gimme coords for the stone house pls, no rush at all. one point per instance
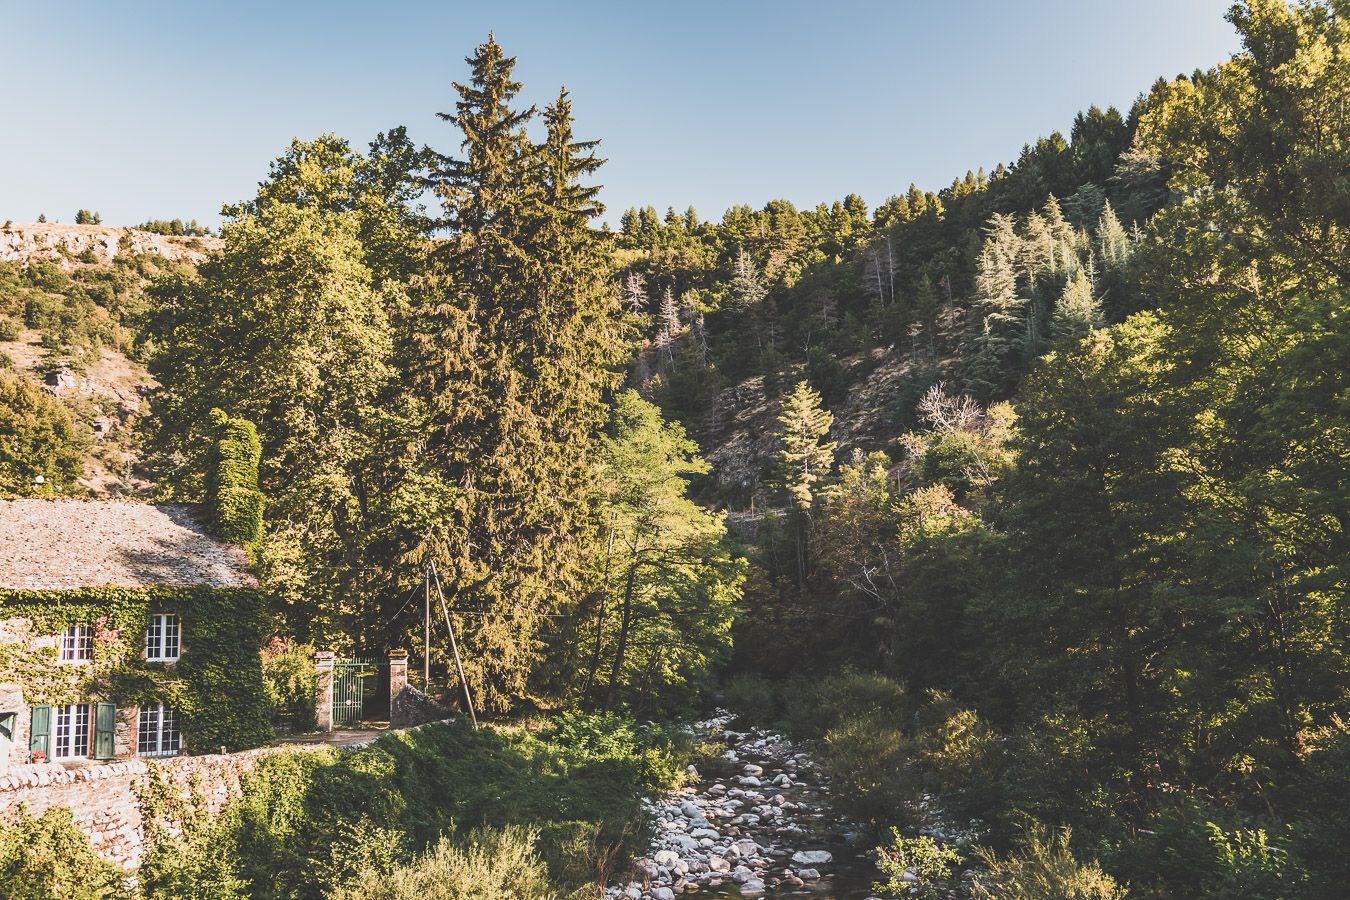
(126, 631)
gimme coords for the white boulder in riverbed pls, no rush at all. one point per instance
(812, 857)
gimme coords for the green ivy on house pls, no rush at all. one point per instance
(232, 494)
(216, 684)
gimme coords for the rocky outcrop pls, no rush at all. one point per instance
(96, 244)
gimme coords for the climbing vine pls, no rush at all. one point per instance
(232, 492)
(216, 684)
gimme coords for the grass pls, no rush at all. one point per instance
(311, 823)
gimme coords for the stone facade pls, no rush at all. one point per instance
(17, 635)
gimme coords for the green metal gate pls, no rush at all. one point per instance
(353, 683)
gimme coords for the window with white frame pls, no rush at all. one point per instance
(71, 740)
(77, 644)
(162, 638)
(158, 734)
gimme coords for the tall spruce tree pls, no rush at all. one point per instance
(517, 339)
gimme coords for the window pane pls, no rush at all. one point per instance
(81, 747)
(61, 747)
(171, 739)
(152, 639)
(72, 731)
(171, 637)
(77, 643)
(147, 734)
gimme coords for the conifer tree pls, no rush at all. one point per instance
(518, 340)
(1061, 232)
(669, 325)
(1002, 310)
(1077, 311)
(747, 285)
(804, 456)
(635, 293)
(1113, 242)
(804, 459)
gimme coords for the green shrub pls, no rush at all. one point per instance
(933, 864)
(752, 697)
(1246, 865)
(812, 706)
(10, 329)
(490, 864)
(961, 756)
(50, 857)
(873, 773)
(289, 679)
(1043, 869)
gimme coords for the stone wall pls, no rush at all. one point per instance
(102, 798)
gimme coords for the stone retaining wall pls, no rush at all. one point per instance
(103, 797)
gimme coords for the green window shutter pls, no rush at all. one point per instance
(40, 734)
(105, 727)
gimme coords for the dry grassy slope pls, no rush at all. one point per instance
(106, 398)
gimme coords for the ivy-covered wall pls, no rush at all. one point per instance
(216, 684)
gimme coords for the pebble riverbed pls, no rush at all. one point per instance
(754, 823)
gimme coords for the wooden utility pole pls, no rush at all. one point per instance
(426, 629)
(454, 645)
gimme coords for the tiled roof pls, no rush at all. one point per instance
(66, 544)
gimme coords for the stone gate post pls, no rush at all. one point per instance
(398, 689)
(323, 690)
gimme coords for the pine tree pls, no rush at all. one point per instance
(669, 326)
(1001, 308)
(926, 308)
(489, 194)
(1077, 312)
(804, 457)
(747, 285)
(1061, 232)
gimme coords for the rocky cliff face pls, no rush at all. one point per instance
(67, 244)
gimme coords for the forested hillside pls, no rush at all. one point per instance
(1022, 500)
(1059, 452)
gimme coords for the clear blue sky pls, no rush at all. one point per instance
(161, 109)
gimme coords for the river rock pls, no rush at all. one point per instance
(812, 857)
